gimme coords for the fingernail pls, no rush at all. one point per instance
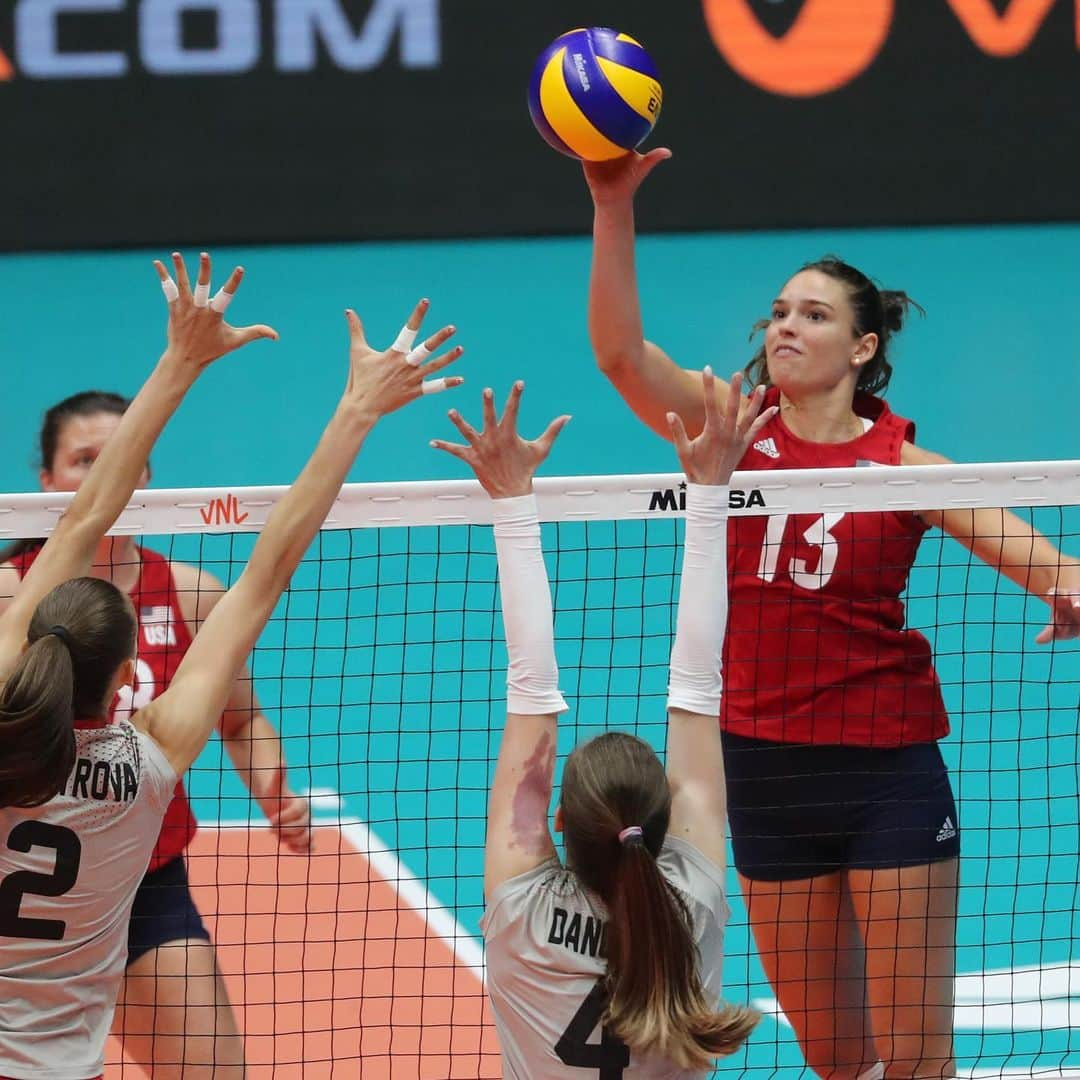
(433, 444)
(708, 370)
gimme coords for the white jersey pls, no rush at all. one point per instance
(68, 875)
(544, 933)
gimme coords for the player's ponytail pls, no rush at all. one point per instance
(876, 311)
(37, 741)
(79, 635)
(656, 1003)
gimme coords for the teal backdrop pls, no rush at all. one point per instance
(992, 372)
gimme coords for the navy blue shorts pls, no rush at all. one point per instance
(163, 910)
(800, 811)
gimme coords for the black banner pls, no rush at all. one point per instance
(162, 122)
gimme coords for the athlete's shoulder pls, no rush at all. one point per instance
(517, 897)
(694, 874)
(910, 454)
(185, 575)
(10, 578)
(197, 592)
(20, 556)
(878, 411)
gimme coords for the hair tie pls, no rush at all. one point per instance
(62, 633)
(631, 832)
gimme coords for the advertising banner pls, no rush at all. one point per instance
(167, 122)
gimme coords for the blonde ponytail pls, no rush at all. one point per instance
(616, 807)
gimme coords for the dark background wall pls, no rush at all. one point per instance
(131, 122)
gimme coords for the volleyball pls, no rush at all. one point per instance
(594, 94)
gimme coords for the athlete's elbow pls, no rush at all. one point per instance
(83, 526)
(616, 363)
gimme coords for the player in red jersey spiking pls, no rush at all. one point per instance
(842, 817)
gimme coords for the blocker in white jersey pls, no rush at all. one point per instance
(68, 874)
(544, 936)
(611, 966)
(82, 807)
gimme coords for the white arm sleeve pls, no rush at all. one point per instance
(532, 676)
(696, 683)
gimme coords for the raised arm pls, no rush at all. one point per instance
(378, 383)
(650, 382)
(518, 835)
(197, 335)
(695, 760)
(1014, 548)
(249, 738)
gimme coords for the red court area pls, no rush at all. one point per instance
(331, 971)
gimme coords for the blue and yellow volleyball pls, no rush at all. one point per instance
(594, 94)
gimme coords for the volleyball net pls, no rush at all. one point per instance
(384, 669)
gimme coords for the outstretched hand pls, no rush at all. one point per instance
(711, 458)
(288, 814)
(197, 332)
(503, 461)
(380, 382)
(619, 179)
(1064, 601)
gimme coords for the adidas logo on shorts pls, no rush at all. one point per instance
(767, 447)
(947, 831)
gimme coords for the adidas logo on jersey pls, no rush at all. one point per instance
(947, 831)
(767, 447)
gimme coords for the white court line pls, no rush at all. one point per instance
(1028, 998)
(1022, 999)
(400, 878)
(415, 893)
(1013, 1074)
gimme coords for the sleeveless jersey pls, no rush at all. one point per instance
(544, 939)
(816, 649)
(68, 874)
(163, 640)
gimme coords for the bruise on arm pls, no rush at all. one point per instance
(532, 796)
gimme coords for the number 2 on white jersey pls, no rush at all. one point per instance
(819, 535)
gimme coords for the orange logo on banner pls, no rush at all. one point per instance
(6, 70)
(223, 512)
(830, 42)
(1007, 34)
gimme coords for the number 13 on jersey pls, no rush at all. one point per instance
(818, 535)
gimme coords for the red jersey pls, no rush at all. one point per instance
(816, 649)
(163, 640)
